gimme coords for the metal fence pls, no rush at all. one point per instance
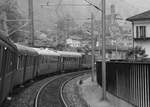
(127, 80)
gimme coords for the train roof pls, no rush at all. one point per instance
(69, 54)
(5, 41)
(26, 50)
(46, 52)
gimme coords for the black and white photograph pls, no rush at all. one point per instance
(74, 53)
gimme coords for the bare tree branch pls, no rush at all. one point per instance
(18, 29)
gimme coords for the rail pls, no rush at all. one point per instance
(66, 104)
(55, 89)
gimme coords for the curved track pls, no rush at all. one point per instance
(49, 94)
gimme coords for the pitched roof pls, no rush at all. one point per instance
(141, 16)
(75, 37)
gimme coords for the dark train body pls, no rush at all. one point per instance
(19, 64)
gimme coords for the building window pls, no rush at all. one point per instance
(140, 31)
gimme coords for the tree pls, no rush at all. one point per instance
(137, 52)
(10, 7)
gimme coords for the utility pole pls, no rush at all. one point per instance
(57, 35)
(103, 49)
(67, 30)
(31, 21)
(103, 10)
(133, 46)
(93, 47)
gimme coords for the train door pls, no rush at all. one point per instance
(59, 64)
(35, 62)
(1, 73)
(5, 74)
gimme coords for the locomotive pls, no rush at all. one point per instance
(19, 64)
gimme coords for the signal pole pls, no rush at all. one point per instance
(93, 47)
(103, 50)
(31, 21)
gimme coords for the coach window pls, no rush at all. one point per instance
(8, 56)
(48, 59)
(68, 60)
(10, 61)
(3, 59)
(18, 62)
(45, 59)
(30, 61)
(42, 59)
(27, 60)
(26, 57)
(22, 61)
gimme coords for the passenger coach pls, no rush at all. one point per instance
(8, 56)
(27, 60)
(70, 60)
(48, 61)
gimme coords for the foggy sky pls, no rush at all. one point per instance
(141, 4)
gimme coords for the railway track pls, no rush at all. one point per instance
(49, 95)
(29, 95)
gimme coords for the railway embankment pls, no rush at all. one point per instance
(92, 94)
(85, 93)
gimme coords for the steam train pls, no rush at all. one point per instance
(19, 64)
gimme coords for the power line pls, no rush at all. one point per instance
(93, 5)
(42, 5)
(15, 20)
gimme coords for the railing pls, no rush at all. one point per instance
(128, 81)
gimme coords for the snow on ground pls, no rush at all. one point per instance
(92, 94)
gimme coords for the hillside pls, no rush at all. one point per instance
(46, 17)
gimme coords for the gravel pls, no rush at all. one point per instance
(72, 93)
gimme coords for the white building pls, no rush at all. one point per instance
(141, 30)
(73, 42)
